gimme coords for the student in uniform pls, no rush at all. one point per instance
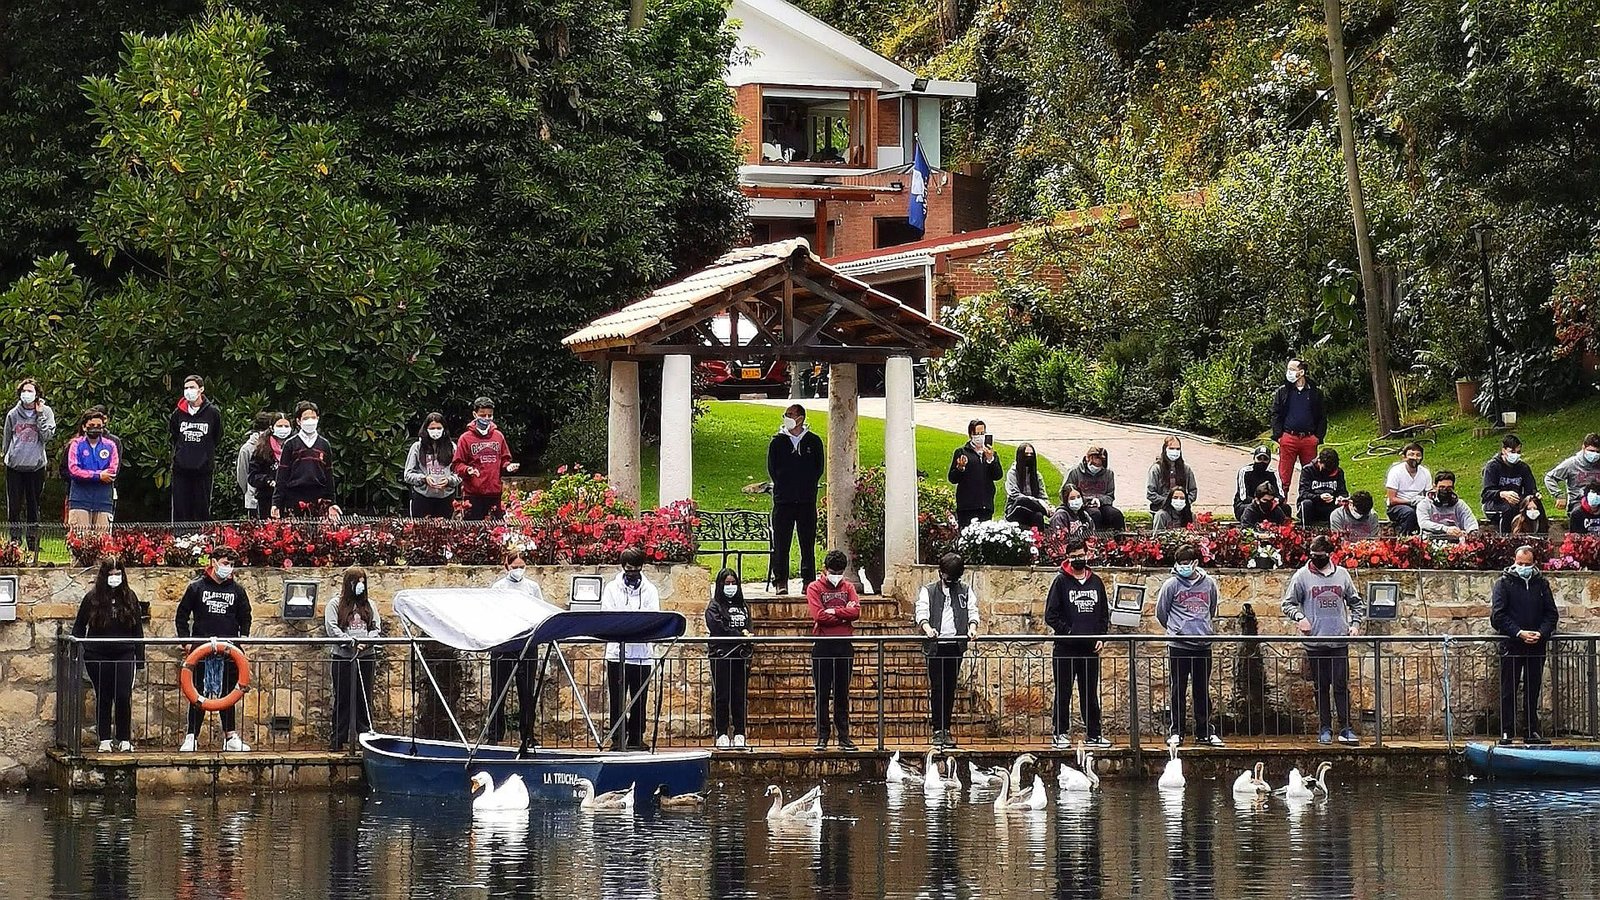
(215, 606)
(1077, 605)
(947, 615)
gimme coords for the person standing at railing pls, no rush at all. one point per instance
(352, 618)
(1321, 600)
(947, 615)
(92, 463)
(1076, 605)
(509, 664)
(1522, 607)
(30, 426)
(1186, 606)
(794, 465)
(111, 610)
(306, 487)
(834, 610)
(728, 616)
(628, 665)
(215, 606)
(194, 429)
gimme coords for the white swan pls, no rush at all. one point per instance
(933, 780)
(1297, 788)
(512, 794)
(899, 773)
(806, 808)
(952, 774)
(1072, 781)
(1172, 776)
(1251, 783)
(1033, 798)
(985, 776)
(611, 800)
(1321, 780)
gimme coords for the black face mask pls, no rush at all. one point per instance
(1077, 564)
(1320, 560)
(953, 577)
(632, 579)
(1445, 498)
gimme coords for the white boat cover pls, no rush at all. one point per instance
(487, 619)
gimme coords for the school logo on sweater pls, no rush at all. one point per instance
(218, 603)
(1195, 601)
(1327, 596)
(194, 432)
(1083, 601)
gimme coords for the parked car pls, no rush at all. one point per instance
(730, 378)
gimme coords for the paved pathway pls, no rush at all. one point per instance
(1062, 439)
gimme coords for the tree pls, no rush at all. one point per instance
(245, 256)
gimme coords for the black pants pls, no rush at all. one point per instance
(787, 518)
(230, 677)
(1500, 518)
(1027, 517)
(502, 667)
(964, 517)
(113, 696)
(482, 507)
(623, 679)
(1107, 518)
(730, 683)
(191, 495)
(350, 695)
(1190, 667)
(1082, 670)
(1528, 669)
(432, 507)
(944, 671)
(831, 664)
(1330, 673)
(1404, 518)
(22, 504)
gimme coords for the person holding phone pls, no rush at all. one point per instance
(974, 470)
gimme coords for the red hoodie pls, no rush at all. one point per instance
(834, 610)
(489, 454)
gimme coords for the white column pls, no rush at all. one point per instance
(677, 436)
(844, 451)
(900, 465)
(622, 431)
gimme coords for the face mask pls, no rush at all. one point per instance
(1174, 454)
(1184, 570)
(309, 426)
(833, 579)
(1075, 504)
(1413, 463)
(976, 442)
(113, 581)
(516, 574)
(1513, 458)
(483, 424)
(94, 432)
(954, 577)
(1594, 500)
(1291, 376)
(28, 396)
(224, 572)
(1093, 469)
(632, 579)
(788, 423)
(730, 591)
(1532, 514)
(1077, 564)
(1591, 456)
(435, 433)
(191, 394)
(1445, 498)
(1320, 560)
(1523, 571)
(360, 588)
(1268, 504)
(1178, 503)
(1261, 463)
(280, 431)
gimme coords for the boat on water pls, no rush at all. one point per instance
(484, 619)
(1534, 762)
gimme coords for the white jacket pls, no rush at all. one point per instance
(617, 597)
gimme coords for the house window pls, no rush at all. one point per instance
(892, 231)
(816, 127)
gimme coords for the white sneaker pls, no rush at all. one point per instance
(739, 742)
(722, 742)
(125, 747)
(189, 744)
(105, 746)
(234, 745)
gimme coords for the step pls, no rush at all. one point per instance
(790, 627)
(797, 608)
(764, 683)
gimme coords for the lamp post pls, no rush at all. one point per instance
(1484, 233)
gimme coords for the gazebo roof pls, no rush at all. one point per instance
(801, 308)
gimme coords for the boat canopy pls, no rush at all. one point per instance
(487, 619)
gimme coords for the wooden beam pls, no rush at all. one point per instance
(756, 320)
(719, 306)
(821, 354)
(821, 322)
(820, 220)
(788, 311)
(825, 290)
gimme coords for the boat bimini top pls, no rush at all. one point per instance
(479, 619)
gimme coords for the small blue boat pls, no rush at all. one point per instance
(1534, 762)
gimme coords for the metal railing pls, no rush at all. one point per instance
(1402, 688)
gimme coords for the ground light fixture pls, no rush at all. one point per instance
(1383, 599)
(1127, 605)
(585, 595)
(299, 598)
(8, 598)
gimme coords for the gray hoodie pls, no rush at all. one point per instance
(26, 434)
(1328, 599)
(1567, 479)
(416, 474)
(359, 630)
(1186, 607)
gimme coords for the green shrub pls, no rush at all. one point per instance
(1065, 381)
(1105, 388)
(989, 325)
(1016, 379)
(579, 440)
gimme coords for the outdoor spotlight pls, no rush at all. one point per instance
(919, 84)
(585, 595)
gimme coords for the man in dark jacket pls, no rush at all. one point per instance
(1507, 482)
(215, 606)
(1098, 484)
(1251, 478)
(1077, 604)
(194, 429)
(1321, 488)
(1299, 423)
(794, 464)
(1522, 608)
(974, 469)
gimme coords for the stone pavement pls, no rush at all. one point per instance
(1062, 439)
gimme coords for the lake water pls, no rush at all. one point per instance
(1411, 840)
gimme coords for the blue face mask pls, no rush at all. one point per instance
(1184, 570)
(1523, 572)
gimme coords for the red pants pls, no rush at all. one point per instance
(1293, 452)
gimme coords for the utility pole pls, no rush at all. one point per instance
(1387, 408)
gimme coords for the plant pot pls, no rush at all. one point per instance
(1466, 390)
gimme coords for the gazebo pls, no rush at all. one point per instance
(798, 309)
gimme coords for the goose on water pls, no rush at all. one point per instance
(1251, 783)
(1032, 798)
(806, 808)
(665, 800)
(901, 773)
(1172, 776)
(512, 794)
(933, 777)
(609, 801)
(1073, 781)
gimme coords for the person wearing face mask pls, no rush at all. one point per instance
(1531, 518)
(1169, 472)
(352, 618)
(728, 616)
(482, 454)
(433, 483)
(1566, 481)
(1321, 601)
(974, 469)
(214, 606)
(111, 610)
(1175, 513)
(1523, 610)
(1354, 519)
(1027, 501)
(513, 663)
(834, 610)
(1442, 514)
(1094, 478)
(194, 428)
(628, 665)
(794, 464)
(1251, 477)
(1404, 487)
(1265, 509)
(260, 429)
(1073, 514)
(1507, 482)
(1322, 486)
(305, 482)
(265, 455)
(30, 426)
(947, 615)
(1077, 604)
(92, 464)
(1584, 515)
(1186, 606)
(1299, 422)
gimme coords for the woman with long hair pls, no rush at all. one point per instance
(263, 466)
(1530, 518)
(354, 618)
(1027, 501)
(728, 615)
(1175, 513)
(111, 610)
(1169, 471)
(433, 484)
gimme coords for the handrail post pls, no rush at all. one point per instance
(1133, 700)
(1556, 719)
(1377, 692)
(1594, 693)
(880, 641)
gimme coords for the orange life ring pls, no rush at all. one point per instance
(186, 676)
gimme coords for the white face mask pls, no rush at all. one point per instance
(977, 442)
(789, 424)
(1178, 503)
(308, 426)
(1174, 454)
(113, 580)
(28, 396)
(435, 433)
(191, 394)
(730, 591)
(1291, 376)
(833, 580)
(1532, 513)
(1513, 458)
(517, 574)
(281, 431)
(1591, 456)
(360, 588)
(1093, 469)
(224, 572)
(1075, 504)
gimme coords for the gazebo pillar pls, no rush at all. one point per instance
(844, 451)
(677, 434)
(900, 465)
(622, 431)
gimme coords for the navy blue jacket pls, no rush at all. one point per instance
(1517, 604)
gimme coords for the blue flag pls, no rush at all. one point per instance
(917, 210)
